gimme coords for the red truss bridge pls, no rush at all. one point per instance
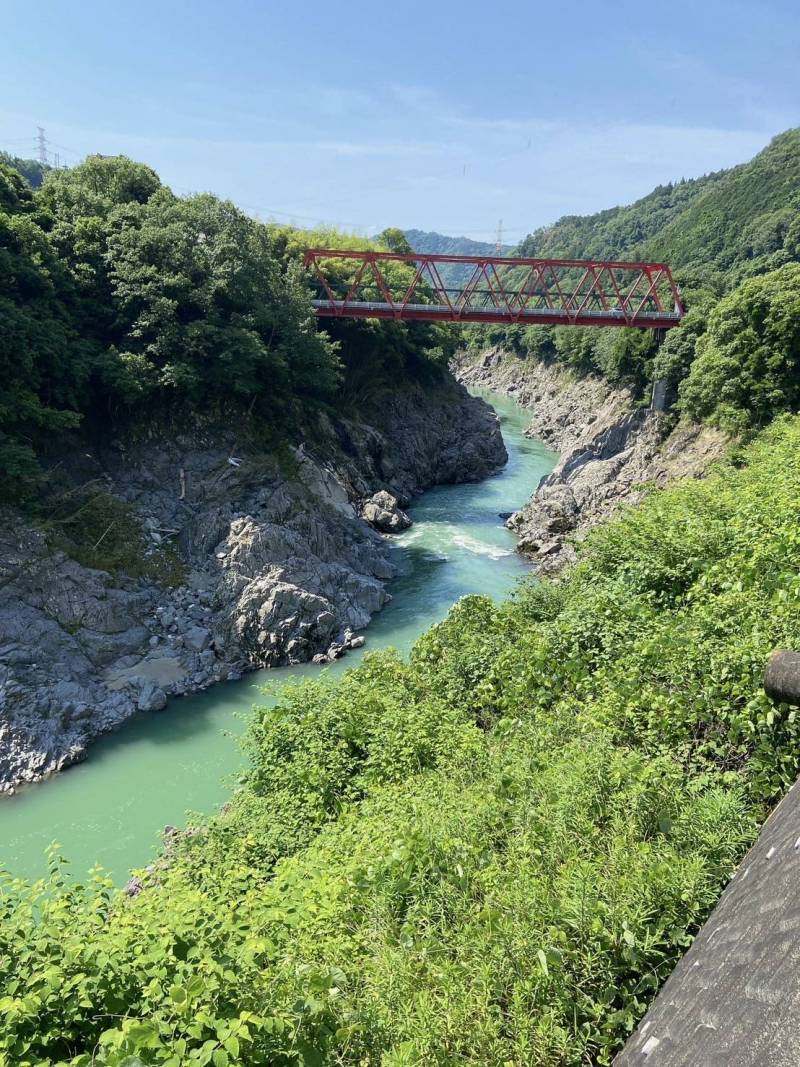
(565, 292)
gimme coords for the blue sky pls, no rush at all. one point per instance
(444, 116)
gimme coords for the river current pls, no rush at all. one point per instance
(111, 809)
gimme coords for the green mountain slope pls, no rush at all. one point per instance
(441, 244)
(452, 274)
(738, 221)
(31, 169)
(617, 232)
(748, 217)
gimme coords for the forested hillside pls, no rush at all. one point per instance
(441, 244)
(733, 241)
(31, 169)
(120, 300)
(740, 221)
(451, 273)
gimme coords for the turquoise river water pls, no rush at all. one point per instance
(112, 808)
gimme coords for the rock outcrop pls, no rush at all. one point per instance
(280, 566)
(611, 450)
(384, 513)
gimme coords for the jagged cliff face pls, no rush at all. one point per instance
(281, 566)
(611, 450)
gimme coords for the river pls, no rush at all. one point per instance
(112, 808)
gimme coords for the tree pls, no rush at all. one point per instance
(202, 307)
(676, 355)
(15, 194)
(395, 240)
(30, 169)
(44, 361)
(748, 362)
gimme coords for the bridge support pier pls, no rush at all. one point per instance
(663, 396)
(664, 393)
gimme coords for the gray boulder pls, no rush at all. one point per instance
(197, 638)
(151, 697)
(384, 513)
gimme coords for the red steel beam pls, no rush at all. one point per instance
(629, 294)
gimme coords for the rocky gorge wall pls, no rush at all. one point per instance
(282, 562)
(610, 447)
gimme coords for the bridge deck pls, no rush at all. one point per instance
(529, 316)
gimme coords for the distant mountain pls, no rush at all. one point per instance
(453, 274)
(441, 244)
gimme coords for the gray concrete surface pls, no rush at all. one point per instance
(734, 999)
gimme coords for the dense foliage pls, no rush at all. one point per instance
(748, 362)
(118, 297)
(492, 853)
(716, 233)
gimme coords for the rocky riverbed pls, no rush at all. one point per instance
(611, 448)
(284, 558)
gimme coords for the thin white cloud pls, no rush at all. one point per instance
(437, 108)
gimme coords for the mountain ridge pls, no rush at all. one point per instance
(739, 221)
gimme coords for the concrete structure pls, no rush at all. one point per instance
(734, 999)
(782, 677)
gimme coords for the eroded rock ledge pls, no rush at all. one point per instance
(611, 448)
(281, 567)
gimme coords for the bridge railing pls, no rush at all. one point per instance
(370, 284)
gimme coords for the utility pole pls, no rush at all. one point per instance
(498, 248)
(42, 141)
